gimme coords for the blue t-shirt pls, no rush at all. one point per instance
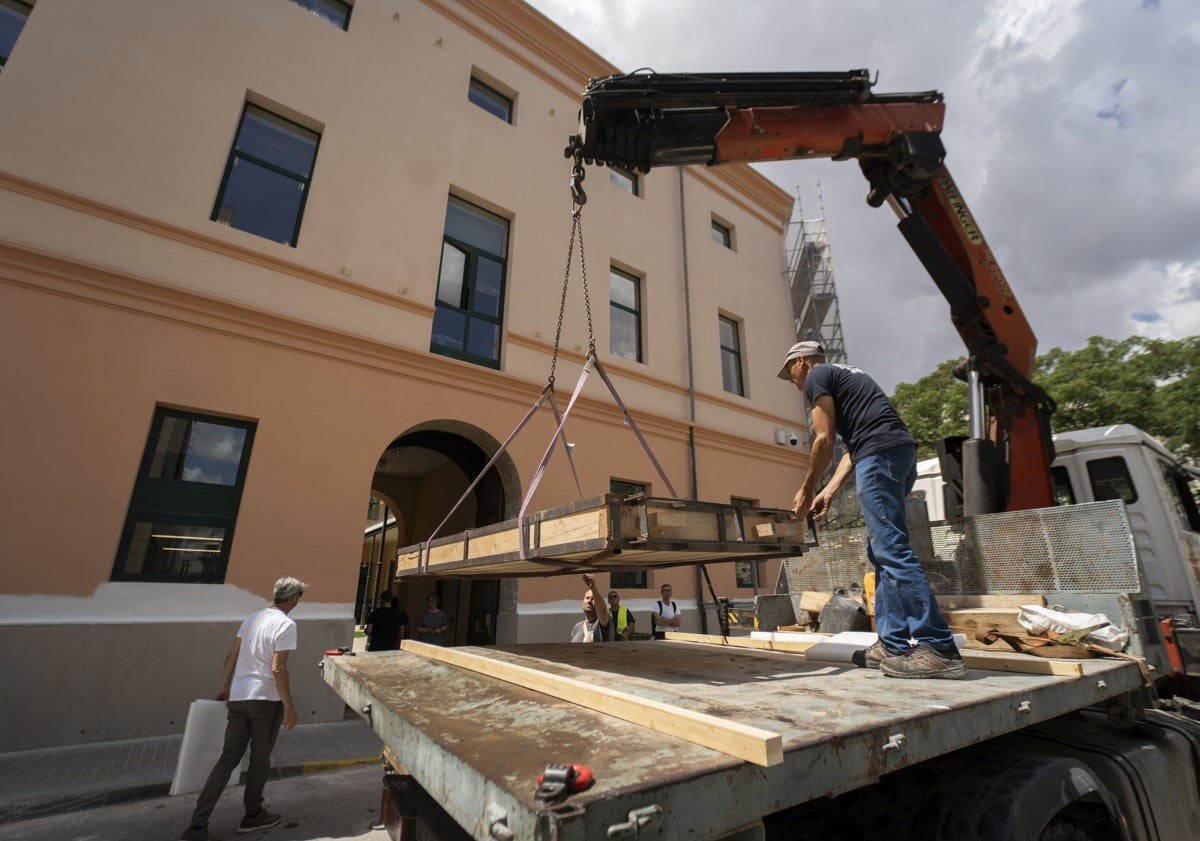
(866, 420)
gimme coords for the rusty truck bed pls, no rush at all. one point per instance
(477, 743)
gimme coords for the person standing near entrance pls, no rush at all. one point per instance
(387, 625)
(257, 690)
(432, 623)
(883, 457)
(621, 619)
(666, 616)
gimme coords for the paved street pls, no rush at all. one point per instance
(327, 806)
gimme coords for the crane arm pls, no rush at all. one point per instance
(643, 120)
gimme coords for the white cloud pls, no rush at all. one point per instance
(1070, 129)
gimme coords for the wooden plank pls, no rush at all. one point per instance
(812, 601)
(991, 661)
(993, 601)
(683, 525)
(793, 529)
(762, 747)
(788, 646)
(969, 621)
(1023, 663)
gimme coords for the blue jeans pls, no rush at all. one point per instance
(904, 604)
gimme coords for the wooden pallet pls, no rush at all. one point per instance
(610, 532)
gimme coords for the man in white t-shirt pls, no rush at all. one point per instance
(665, 616)
(596, 624)
(257, 690)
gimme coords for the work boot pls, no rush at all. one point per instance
(923, 661)
(263, 820)
(201, 833)
(870, 658)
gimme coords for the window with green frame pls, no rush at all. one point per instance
(185, 500)
(13, 14)
(626, 579)
(731, 356)
(624, 315)
(267, 176)
(470, 299)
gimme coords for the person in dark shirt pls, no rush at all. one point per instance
(914, 640)
(386, 625)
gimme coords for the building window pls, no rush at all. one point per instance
(731, 357)
(185, 500)
(625, 314)
(334, 11)
(626, 179)
(722, 234)
(267, 176)
(470, 296)
(490, 100)
(626, 579)
(13, 14)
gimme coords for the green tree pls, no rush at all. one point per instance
(934, 407)
(1153, 384)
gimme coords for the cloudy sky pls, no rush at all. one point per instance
(1072, 129)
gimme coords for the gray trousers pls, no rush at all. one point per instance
(253, 723)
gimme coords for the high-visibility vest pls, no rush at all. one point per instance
(622, 619)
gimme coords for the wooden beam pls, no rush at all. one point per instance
(752, 744)
(789, 646)
(991, 661)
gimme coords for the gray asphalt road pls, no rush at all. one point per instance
(326, 806)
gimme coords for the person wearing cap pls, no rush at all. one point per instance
(914, 639)
(257, 690)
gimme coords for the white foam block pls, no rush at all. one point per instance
(203, 740)
(839, 647)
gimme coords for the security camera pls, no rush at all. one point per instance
(793, 439)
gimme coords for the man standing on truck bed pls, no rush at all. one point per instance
(883, 455)
(256, 688)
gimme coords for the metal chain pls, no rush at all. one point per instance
(578, 199)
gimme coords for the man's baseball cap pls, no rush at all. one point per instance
(797, 350)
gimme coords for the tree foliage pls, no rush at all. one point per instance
(1153, 384)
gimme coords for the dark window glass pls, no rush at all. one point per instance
(267, 176)
(626, 579)
(13, 15)
(185, 500)
(623, 178)
(1177, 480)
(334, 11)
(721, 234)
(470, 296)
(1111, 480)
(490, 100)
(731, 357)
(1064, 494)
(625, 315)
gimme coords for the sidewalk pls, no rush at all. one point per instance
(56, 780)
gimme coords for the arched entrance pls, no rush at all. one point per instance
(419, 478)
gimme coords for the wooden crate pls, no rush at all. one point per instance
(610, 532)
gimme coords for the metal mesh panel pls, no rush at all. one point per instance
(1083, 548)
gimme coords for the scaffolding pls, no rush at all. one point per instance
(809, 275)
(810, 279)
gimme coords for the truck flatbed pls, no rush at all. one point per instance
(477, 743)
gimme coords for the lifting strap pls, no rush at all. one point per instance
(578, 198)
